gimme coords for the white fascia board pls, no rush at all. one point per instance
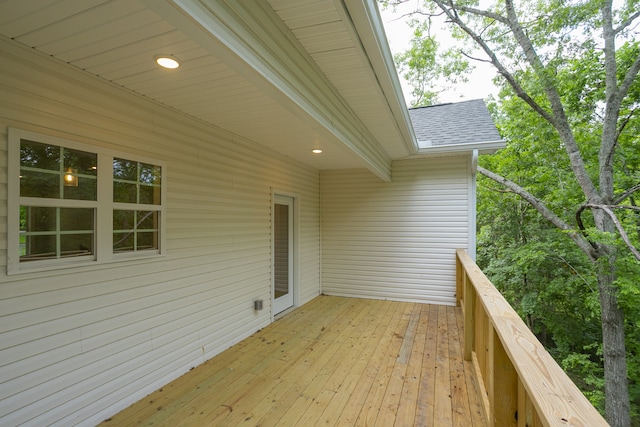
(290, 78)
(366, 18)
(488, 147)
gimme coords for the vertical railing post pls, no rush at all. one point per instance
(524, 407)
(460, 274)
(503, 388)
(469, 317)
(481, 326)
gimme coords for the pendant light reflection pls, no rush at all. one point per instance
(70, 178)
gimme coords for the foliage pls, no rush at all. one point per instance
(423, 60)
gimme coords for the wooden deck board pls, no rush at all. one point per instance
(334, 361)
(411, 387)
(427, 390)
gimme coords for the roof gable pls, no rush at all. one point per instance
(453, 124)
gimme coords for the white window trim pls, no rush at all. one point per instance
(104, 206)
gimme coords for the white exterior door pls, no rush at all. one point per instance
(283, 251)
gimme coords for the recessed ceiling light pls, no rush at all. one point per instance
(316, 151)
(167, 61)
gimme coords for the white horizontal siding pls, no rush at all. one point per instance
(78, 345)
(396, 240)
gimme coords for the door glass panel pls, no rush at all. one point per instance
(281, 250)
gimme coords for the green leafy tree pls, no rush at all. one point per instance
(569, 73)
(547, 278)
(424, 59)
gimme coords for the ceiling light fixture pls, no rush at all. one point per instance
(316, 151)
(167, 61)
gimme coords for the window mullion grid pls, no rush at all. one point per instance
(58, 242)
(53, 203)
(61, 173)
(135, 223)
(104, 211)
(137, 183)
(136, 207)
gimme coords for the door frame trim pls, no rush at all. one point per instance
(296, 248)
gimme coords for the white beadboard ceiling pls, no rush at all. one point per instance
(325, 86)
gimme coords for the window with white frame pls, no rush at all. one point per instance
(58, 200)
(136, 198)
(73, 203)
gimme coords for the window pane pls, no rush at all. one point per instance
(40, 184)
(76, 245)
(123, 220)
(76, 219)
(123, 242)
(150, 174)
(81, 167)
(147, 240)
(38, 219)
(149, 195)
(39, 247)
(125, 170)
(81, 161)
(87, 189)
(37, 155)
(124, 192)
(135, 182)
(47, 178)
(147, 220)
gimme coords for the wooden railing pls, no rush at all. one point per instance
(519, 383)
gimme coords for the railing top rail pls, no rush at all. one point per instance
(557, 400)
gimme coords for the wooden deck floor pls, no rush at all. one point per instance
(333, 362)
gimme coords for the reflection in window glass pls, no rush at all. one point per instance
(76, 245)
(125, 170)
(39, 247)
(123, 242)
(146, 240)
(39, 156)
(149, 195)
(147, 220)
(39, 184)
(135, 230)
(123, 220)
(55, 172)
(86, 188)
(136, 182)
(76, 219)
(150, 174)
(125, 192)
(39, 219)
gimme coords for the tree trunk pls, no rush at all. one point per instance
(615, 365)
(617, 406)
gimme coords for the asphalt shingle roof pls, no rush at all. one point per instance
(456, 123)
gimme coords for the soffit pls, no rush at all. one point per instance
(116, 40)
(343, 43)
